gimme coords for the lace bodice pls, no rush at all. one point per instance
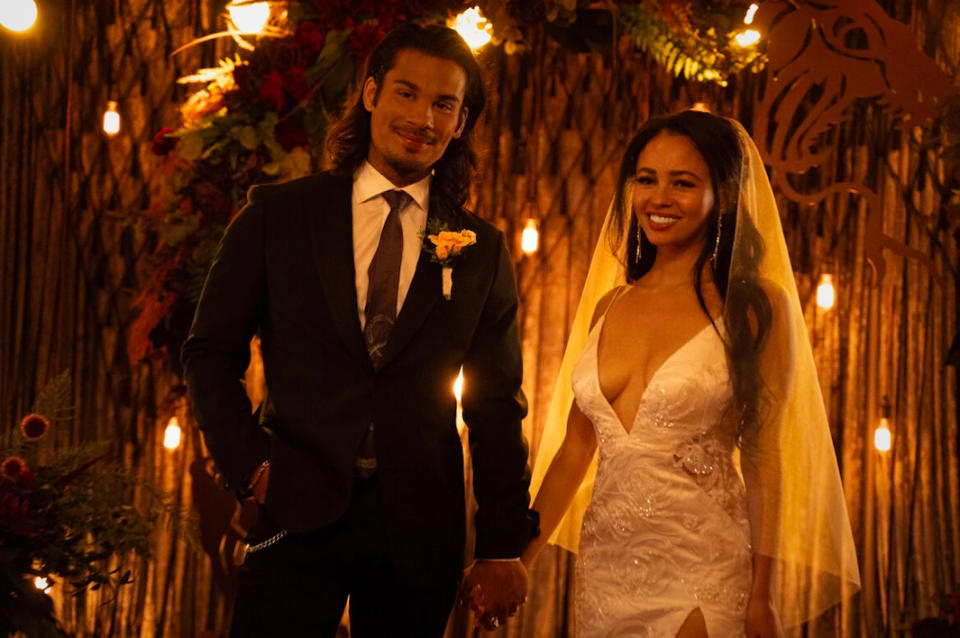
(666, 530)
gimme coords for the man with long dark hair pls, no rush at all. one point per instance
(371, 287)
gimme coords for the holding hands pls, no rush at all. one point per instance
(494, 589)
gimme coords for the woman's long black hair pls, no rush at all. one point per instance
(747, 312)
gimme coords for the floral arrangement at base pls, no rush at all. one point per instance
(65, 518)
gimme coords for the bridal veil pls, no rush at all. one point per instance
(795, 498)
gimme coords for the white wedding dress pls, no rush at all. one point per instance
(666, 531)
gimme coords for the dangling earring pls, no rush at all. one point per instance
(716, 244)
(639, 242)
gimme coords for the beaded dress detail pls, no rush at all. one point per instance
(666, 531)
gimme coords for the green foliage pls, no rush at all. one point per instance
(699, 44)
(65, 515)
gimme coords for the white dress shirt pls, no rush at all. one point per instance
(370, 212)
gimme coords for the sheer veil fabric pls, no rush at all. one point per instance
(795, 498)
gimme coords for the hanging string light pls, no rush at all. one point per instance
(747, 37)
(882, 438)
(249, 17)
(172, 434)
(826, 295)
(530, 239)
(111, 119)
(473, 27)
(751, 12)
(42, 583)
(18, 15)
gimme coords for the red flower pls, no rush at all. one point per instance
(296, 83)
(365, 38)
(310, 38)
(34, 426)
(13, 468)
(291, 134)
(163, 142)
(271, 91)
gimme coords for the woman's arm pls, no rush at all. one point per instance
(562, 479)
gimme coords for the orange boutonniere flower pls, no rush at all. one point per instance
(445, 246)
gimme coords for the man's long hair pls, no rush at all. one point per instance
(348, 138)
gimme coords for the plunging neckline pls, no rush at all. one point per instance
(643, 395)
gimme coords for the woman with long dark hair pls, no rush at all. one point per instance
(695, 382)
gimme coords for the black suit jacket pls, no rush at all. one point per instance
(285, 267)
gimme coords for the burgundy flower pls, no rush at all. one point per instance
(295, 83)
(310, 38)
(291, 134)
(365, 38)
(163, 142)
(13, 468)
(271, 91)
(34, 426)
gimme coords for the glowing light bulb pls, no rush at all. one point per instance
(747, 37)
(700, 106)
(882, 438)
(530, 239)
(473, 27)
(111, 119)
(458, 386)
(41, 583)
(18, 15)
(751, 11)
(250, 17)
(826, 295)
(171, 435)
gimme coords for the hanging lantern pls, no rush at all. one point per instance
(826, 295)
(172, 434)
(530, 239)
(111, 119)
(18, 15)
(882, 438)
(473, 27)
(249, 17)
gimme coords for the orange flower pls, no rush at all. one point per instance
(449, 243)
(34, 426)
(12, 467)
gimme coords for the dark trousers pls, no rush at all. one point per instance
(299, 586)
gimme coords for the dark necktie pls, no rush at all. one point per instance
(381, 308)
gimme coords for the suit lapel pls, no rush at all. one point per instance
(425, 289)
(331, 232)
